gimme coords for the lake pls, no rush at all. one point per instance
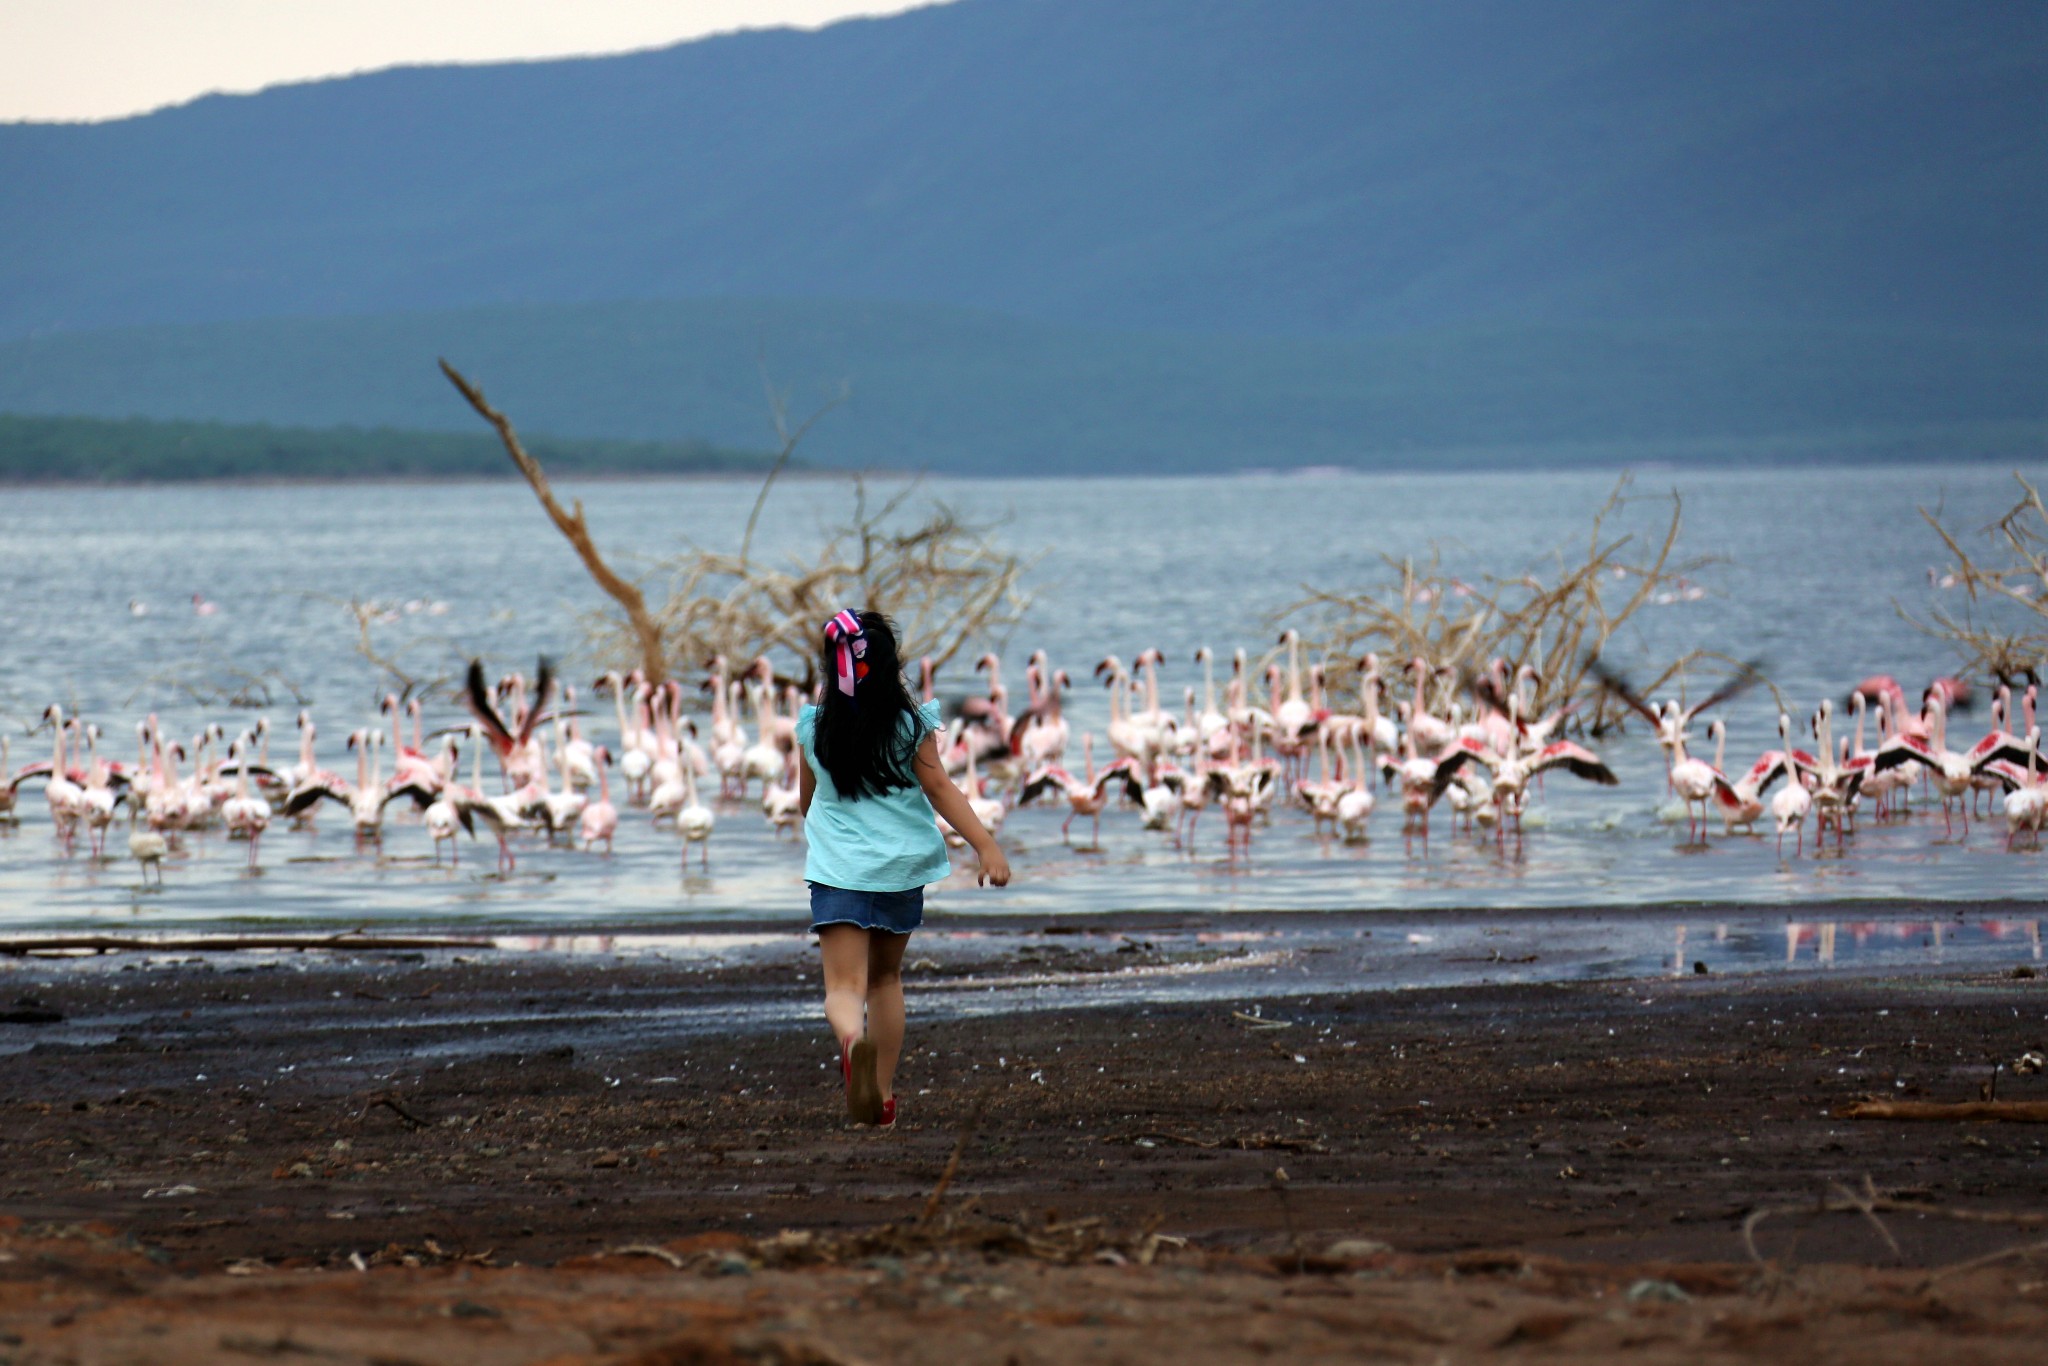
(1813, 568)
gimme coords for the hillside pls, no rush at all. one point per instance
(1288, 167)
(959, 390)
(73, 449)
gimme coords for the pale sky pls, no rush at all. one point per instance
(101, 59)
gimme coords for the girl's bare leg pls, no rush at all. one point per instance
(845, 950)
(884, 973)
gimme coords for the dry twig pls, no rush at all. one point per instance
(931, 1205)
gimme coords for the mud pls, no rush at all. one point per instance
(334, 1153)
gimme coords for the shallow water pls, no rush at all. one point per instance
(964, 971)
(1812, 563)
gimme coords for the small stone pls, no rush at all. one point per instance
(1356, 1249)
(608, 1160)
(1664, 1292)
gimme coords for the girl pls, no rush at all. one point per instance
(871, 783)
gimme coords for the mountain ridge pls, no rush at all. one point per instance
(1291, 168)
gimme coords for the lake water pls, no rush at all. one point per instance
(1814, 564)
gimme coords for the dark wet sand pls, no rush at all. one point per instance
(233, 1107)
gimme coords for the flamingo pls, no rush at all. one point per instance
(1321, 796)
(512, 740)
(446, 816)
(782, 801)
(1952, 773)
(1212, 727)
(560, 810)
(1085, 796)
(1669, 721)
(1741, 801)
(1040, 736)
(1245, 789)
(1355, 804)
(2026, 796)
(578, 754)
(1161, 797)
(1835, 785)
(1237, 704)
(634, 762)
(246, 816)
(1790, 806)
(1511, 775)
(1429, 734)
(986, 809)
(97, 798)
(600, 819)
(410, 765)
(1692, 779)
(694, 822)
(1293, 718)
(66, 797)
(764, 758)
(502, 813)
(148, 848)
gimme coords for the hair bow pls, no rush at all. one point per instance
(850, 648)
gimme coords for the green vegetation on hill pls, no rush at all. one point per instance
(79, 449)
(971, 392)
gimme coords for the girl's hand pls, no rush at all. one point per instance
(994, 868)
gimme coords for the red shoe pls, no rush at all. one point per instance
(888, 1112)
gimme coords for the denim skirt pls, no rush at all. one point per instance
(894, 912)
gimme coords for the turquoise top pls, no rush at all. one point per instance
(889, 843)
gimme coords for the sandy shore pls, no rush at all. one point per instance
(1564, 1164)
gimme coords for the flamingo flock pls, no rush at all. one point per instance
(1258, 745)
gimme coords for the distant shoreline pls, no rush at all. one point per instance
(1445, 465)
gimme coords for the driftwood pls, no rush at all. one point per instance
(2012, 576)
(944, 580)
(1559, 622)
(646, 629)
(1968, 1111)
(108, 943)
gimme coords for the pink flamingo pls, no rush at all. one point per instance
(600, 819)
(1085, 796)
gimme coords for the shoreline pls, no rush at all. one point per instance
(1447, 464)
(1277, 918)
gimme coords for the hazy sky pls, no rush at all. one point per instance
(98, 59)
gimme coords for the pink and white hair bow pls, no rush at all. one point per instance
(850, 648)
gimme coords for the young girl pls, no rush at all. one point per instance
(871, 784)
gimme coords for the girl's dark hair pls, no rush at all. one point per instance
(862, 740)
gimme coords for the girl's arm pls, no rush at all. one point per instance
(947, 800)
(806, 784)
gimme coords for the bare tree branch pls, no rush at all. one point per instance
(646, 629)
